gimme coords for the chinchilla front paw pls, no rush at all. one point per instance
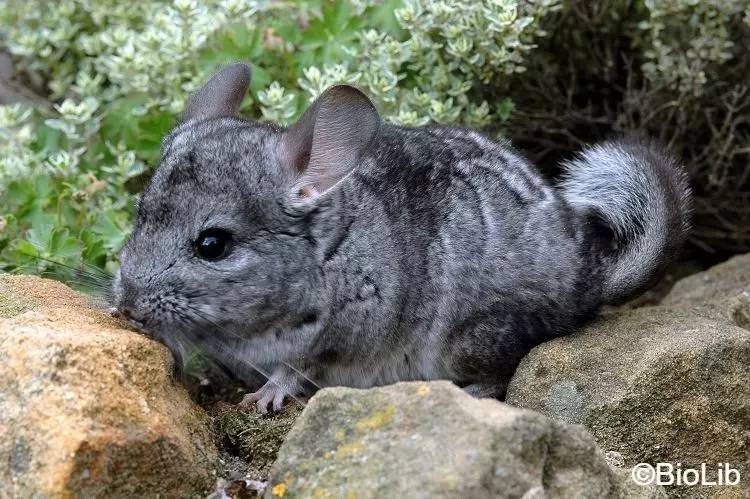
(280, 386)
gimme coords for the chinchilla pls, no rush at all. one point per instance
(346, 251)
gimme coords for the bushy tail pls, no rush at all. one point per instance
(640, 192)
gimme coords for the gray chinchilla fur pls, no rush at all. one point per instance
(346, 251)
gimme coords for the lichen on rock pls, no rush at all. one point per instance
(433, 440)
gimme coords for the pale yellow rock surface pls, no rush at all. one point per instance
(89, 408)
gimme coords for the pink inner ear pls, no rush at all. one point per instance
(305, 192)
(327, 142)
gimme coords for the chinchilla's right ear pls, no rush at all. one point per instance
(325, 145)
(221, 96)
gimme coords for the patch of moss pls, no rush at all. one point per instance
(252, 436)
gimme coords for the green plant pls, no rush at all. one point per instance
(118, 74)
(111, 78)
(678, 70)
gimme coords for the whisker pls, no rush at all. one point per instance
(92, 269)
(80, 278)
(202, 316)
(84, 279)
(307, 378)
(96, 269)
(100, 277)
(233, 355)
(303, 374)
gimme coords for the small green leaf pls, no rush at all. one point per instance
(504, 109)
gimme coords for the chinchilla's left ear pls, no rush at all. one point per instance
(221, 96)
(326, 143)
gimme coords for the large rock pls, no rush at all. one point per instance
(722, 292)
(87, 408)
(433, 440)
(669, 383)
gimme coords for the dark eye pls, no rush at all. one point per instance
(213, 244)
